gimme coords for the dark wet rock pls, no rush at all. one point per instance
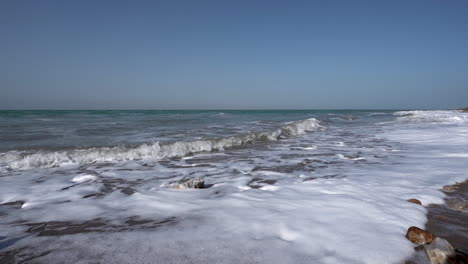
(464, 109)
(257, 183)
(457, 204)
(193, 183)
(419, 236)
(415, 201)
(461, 257)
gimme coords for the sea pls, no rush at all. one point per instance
(295, 186)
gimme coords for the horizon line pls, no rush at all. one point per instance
(246, 109)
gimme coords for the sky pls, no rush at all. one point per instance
(96, 54)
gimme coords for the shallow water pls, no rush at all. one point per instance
(284, 186)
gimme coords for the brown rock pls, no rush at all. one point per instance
(449, 188)
(194, 183)
(419, 236)
(464, 109)
(415, 201)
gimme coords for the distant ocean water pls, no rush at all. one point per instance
(296, 186)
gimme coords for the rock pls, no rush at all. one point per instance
(415, 201)
(457, 204)
(449, 188)
(464, 109)
(419, 236)
(439, 251)
(460, 257)
(194, 183)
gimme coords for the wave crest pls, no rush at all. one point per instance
(46, 159)
(434, 116)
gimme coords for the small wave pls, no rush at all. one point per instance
(434, 116)
(46, 159)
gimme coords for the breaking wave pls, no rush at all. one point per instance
(46, 159)
(435, 116)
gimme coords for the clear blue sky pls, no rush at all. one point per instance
(199, 54)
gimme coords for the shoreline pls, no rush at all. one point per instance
(447, 223)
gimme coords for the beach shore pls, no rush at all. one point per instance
(451, 224)
(448, 222)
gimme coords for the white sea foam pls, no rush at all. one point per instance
(84, 178)
(358, 218)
